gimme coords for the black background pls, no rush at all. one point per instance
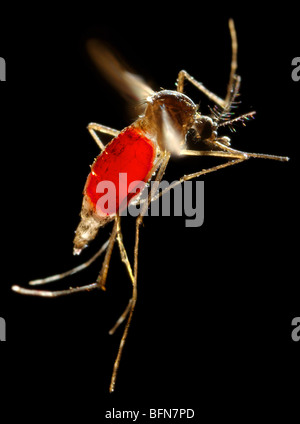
(212, 327)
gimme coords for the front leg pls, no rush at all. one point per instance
(234, 80)
(180, 87)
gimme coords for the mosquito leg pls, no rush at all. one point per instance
(101, 279)
(234, 154)
(214, 168)
(130, 308)
(198, 174)
(124, 257)
(125, 260)
(100, 283)
(49, 293)
(247, 155)
(93, 127)
(122, 318)
(180, 86)
(128, 312)
(72, 271)
(154, 187)
(234, 80)
(123, 253)
(234, 48)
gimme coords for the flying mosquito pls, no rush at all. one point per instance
(142, 151)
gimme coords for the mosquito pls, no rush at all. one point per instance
(142, 151)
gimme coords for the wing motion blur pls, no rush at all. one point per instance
(135, 90)
(130, 85)
(170, 138)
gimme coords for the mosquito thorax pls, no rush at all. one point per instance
(180, 108)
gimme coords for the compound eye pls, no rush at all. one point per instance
(206, 130)
(191, 136)
(204, 127)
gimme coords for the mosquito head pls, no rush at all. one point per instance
(205, 127)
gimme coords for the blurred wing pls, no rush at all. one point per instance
(172, 138)
(169, 137)
(131, 86)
